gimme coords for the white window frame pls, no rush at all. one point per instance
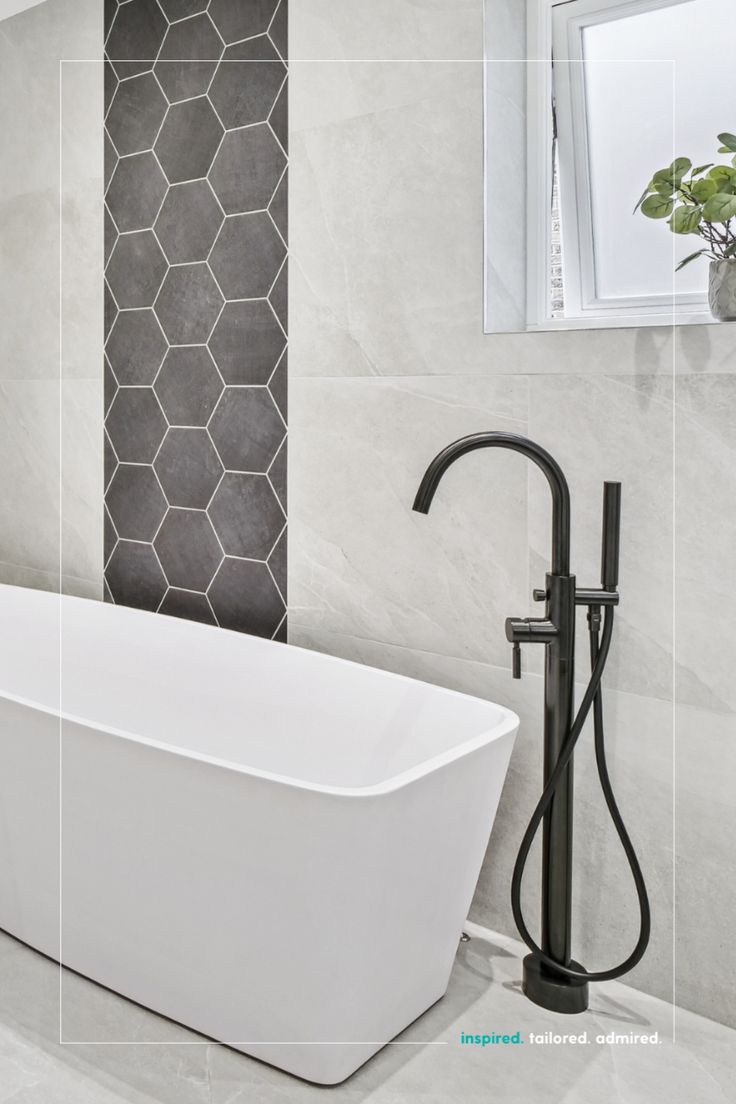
(556, 96)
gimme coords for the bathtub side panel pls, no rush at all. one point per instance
(29, 826)
(265, 915)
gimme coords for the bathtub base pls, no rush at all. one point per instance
(326, 1063)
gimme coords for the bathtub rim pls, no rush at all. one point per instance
(508, 722)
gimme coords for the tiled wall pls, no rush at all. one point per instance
(389, 363)
(51, 298)
(196, 309)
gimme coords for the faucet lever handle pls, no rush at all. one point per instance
(516, 661)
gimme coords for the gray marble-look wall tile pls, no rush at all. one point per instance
(29, 285)
(705, 539)
(390, 153)
(361, 561)
(82, 479)
(390, 29)
(705, 824)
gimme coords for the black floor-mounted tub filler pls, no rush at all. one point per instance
(552, 978)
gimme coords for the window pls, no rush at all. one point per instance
(615, 89)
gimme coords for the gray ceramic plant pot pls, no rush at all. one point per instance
(722, 290)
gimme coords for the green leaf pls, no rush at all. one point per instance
(731, 250)
(644, 195)
(703, 189)
(657, 207)
(686, 220)
(701, 169)
(719, 208)
(729, 141)
(722, 173)
(692, 257)
(680, 166)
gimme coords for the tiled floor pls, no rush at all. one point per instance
(153, 1067)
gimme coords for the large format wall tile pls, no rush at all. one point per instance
(362, 562)
(705, 494)
(51, 187)
(195, 310)
(387, 231)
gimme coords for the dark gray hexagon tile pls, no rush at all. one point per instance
(188, 223)
(278, 30)
(188, 58)
(110, 235)
(245, 93)
(278, 385)
(110, 460)
(188, 386)
(110, 159)
(279, 206)
(110, 537)
(247, 342)
(247, 256)
(110, 310)
(136, 347)
(135, 37)
(277, 473)
(135, 269)
(246, 515)
(188, 467)
(188, 140)
(136, 425)
(135, 115)
(244, 597)
(136, 502)
(281, 635)
(110, 385)
(134, 576)
(189, 551)
(110, 85)
(236, 20)
(180, 9)
(136, 192)
(188, 304)
(247, 429)
(278, 297)
(277, 563)
(279, 118)
(188, 604)
(247, 168)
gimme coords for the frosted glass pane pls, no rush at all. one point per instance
(641, 113)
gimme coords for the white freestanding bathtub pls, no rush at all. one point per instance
(271, 846)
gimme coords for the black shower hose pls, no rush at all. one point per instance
(599, 648)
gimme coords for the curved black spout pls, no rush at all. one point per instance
(543, 460)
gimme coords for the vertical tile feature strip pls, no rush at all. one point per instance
(195, 318)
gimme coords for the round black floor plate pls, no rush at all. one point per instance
(553, 991)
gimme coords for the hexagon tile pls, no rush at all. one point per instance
(195, 310)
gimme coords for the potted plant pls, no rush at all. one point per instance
(702, 201)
